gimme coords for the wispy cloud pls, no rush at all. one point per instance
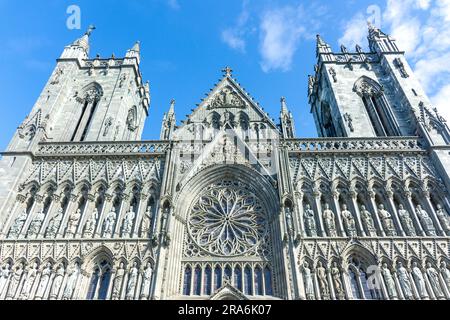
(355, 31)
(174, 4)
(234, 36)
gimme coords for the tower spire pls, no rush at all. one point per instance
(321, 46)
(80, 47)
(135, 52)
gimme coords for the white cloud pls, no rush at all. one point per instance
(173, 4)
(234, 36)
(441, 101)
(280, 34)
(355, 32)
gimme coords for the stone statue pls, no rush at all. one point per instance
(127, 227)
(405, 283)
(4, 275)
(18, 224)
(427, 223)
(407, 222)
(57, 282)
(45, 277)
(15, 280)
(89, 228)
(328, 219)
(444, 218)
(309, 287)
(444, 272)
(289, 222)
(54, 224)
(310, 221)
(366, 217)
(132, 280)
(349, 221)
(419, 280)
(108, 224)
(36, 224)
(389, 281)
(386, 221)
(118, 279)
(433, 277)
(71, 281)
(147, 281)
(336, 276)
(323, 282)
(72, 225)
(29, 281)
(145, 224)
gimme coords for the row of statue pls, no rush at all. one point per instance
(17, 283)
(426, 284)
(385, 218)
(74, 219)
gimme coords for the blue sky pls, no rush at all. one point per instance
(269, 44)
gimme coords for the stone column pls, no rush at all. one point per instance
(354, 196)
(393, 208)
(299, 199)
(18, 206)
(101, 215)
(110, 284)
(337, 208)
(399, 289)
(408, 196)
(316, 284)
(331, 285)
(437, 223)
(318, 210)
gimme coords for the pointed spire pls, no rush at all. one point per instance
(172, 107)
(135, 51)
(284, 108)
(321, 46)
(227, 72)
(84, 40)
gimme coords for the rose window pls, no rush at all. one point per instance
(227, 219)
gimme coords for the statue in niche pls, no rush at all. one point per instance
(145, 224)
(406, 220)
(328, 219)
(108, 224)
(4, 276)
(128, 223)
(132, 280)
(57, 282)
(310, 221)
(427, 223)
(29, 281)
(323, 282)
(389, 281)
(419, 280)
(43, 282)
(444, 272)
(386, 221)
(108, 124)
(72, 225)
(336, 276)
(71, 281)
(349, 221)
(118, 279)
(433, 277)
(35, 225)
(131, 120)
(444, 218)
(54, 224)
(18, 224)
(309, 287)
(15, 280)
(366, 218)
(146, 281)
(91, 223)
(405, 283)
(289, 222)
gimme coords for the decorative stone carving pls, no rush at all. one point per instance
(118, 279)
(289, 222)
(444, 218)
(407, 222)
(348, 118)
(444, 272)
(405, 283)
(91, 223)
(349, 221)
(4, 276)
(132, 281)
(323, 281)
(30, 276)
(73, 274)
(72, 225)
(389, 281)
(401, 67)
(337, 282)
(57, 282)
(227, 98)
(419, 280)
(54, 224)
(308, 280)
(128, 223)
(35, 225)
(310, 221)
(386, 220)
(368, 222)
(146, 281)
(328, 219)
(108, 124)
(433, 277)
(145, 224)
(131, 119)
(427, 223)
(44, 280)
(108, 224)
(18, 224)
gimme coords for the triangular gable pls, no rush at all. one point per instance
(228, 292)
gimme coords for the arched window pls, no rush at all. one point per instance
(217, 278)
(370, 293)
(207, 281)
(238, 278)
(268, 281)
(359, 280)
(355, 284)
(259, 289)
(99, 284)
(187, 281)
(198, 281)
(248, 281)
(89, 100)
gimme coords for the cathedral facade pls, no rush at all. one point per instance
(228, 204)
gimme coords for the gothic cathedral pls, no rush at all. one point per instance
(228, 204)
